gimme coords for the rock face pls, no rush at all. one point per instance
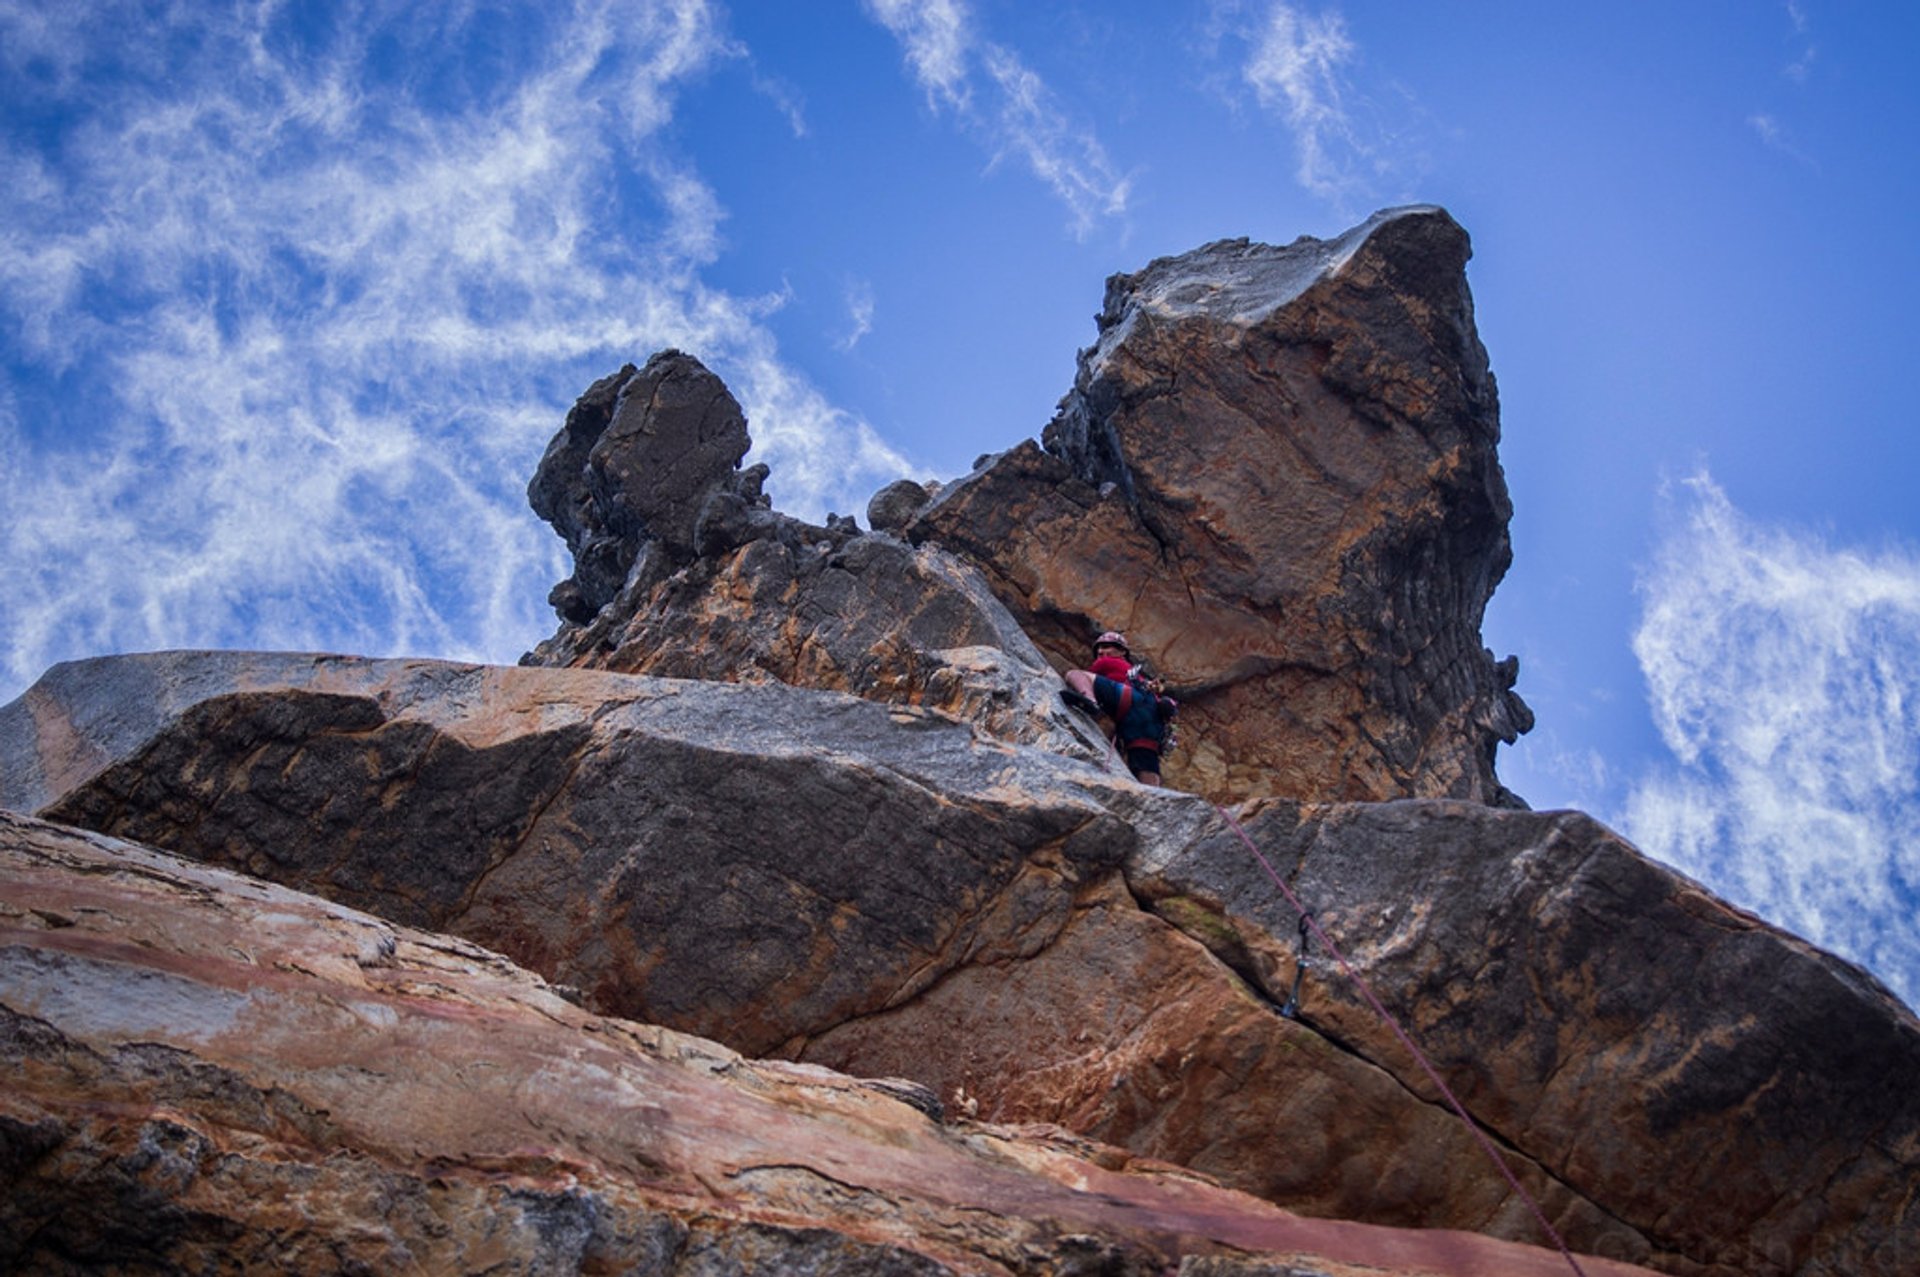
(683, 570)
(1744, 1101)
(208, 1073)
(749, 863)
(890, 893)
(1276, 471)
(639, 459)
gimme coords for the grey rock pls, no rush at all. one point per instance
(636, 462)
(1594, 1009)
(750, 594)
(748, 862)
(894, 506)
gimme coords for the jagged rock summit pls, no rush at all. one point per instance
(712, 583)
(808, 791)
(1277, 472)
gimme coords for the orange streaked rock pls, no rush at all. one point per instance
(208, 1071)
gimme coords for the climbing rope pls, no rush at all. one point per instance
(1307, 923)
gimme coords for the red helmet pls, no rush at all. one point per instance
(1114, 638)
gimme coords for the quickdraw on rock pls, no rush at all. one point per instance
(1302, 960)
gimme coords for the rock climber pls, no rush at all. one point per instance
(1138, 705)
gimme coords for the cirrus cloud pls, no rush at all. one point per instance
(290, 301)
(1006, 104)
(1784, 677)
(1294, 68)
(1305, 70)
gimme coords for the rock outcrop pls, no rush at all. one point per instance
(748, 863)
(206, 1073)
(683, 570)
(888, 892)
(1277, 472)
(808, 791)
(637, 466)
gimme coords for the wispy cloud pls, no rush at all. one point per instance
(786, 99)
(937, 36)
(1802, 65)
(1295, 69)
(1031, 124)
(1302, 69)
(1773, 134)
(1784, 676)
(860, 303)
(291, 302)
(1006, 104)
(1767, 124)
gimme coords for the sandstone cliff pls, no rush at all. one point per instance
(206, 1073)
(807, 790)
(892, 892)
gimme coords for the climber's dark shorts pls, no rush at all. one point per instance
(1143, 760)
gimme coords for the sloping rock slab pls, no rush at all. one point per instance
(208, 1073)
(1277, 472)
(786, 871)
(1125, 1030)
(1746, 1102)
(752, 863)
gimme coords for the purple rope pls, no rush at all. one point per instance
(1432, 1073)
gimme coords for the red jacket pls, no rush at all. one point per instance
(1113, 667)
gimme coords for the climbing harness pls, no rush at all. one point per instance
(1165, 707)
(1307, 923)
(1301, 962)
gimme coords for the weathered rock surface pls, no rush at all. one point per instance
(635, 464)
(683, 570)
(762, 865)
(1744, 1102)
(206, 1073)
(918, 899)
(750, 863)
(1124, 1029)
(1277, 472)
(894, 506)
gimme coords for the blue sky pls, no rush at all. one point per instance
(293, 295)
